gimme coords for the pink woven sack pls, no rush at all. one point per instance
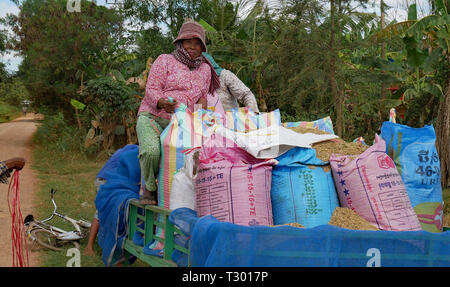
(233, 186)
(371, 186)
(214, 103)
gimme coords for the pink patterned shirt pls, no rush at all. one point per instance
(170, 78)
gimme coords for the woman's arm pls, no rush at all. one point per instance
(203, 100)
(239, 90)
(156, 81)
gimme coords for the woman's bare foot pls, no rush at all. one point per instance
(148, 198)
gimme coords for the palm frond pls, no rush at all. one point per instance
(391, 31)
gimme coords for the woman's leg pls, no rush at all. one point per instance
(148, 131)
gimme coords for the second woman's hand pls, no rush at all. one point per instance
(167, 105)
(203, 103)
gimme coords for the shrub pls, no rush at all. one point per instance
(112, 102)
(55, 133)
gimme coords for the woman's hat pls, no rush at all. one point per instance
(191, 29)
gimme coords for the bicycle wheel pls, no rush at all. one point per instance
(49, 240)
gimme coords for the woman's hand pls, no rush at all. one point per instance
(203, 102)
(169, 107)
(15, 163)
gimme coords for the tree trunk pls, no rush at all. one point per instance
(108, 128)
(78, 119)
(76, 110)
(443, 137)
(333, 83)
(383, 56)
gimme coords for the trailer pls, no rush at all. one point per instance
(324, 245)
(152, 217)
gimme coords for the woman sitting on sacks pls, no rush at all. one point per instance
(232, 91)
(184, 76)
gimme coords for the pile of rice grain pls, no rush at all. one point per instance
(293, 224)
(338, 146)
(347, 218)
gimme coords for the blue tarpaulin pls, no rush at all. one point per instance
(214, 243)
(122, 185)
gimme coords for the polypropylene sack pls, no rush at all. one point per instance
(303, 189)
(324, 124)
(183, 191)
(185, 131)
(371, 186)
(214, 103)
(188, 130)
(414, 153)
(272, 141)
(233, 186)
(244, 119)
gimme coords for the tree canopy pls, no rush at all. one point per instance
(308, 58)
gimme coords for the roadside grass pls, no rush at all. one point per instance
(73, 177)
(8, 112)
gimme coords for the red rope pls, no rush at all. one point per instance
(18, 240)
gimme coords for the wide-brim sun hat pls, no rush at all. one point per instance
(191, 29)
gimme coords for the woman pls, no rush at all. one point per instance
(184, 76)
(232, 90)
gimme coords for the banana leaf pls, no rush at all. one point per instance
(77, 105)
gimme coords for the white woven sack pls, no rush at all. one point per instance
(182, 193)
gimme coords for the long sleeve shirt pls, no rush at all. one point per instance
(233, 91)
(170, 78)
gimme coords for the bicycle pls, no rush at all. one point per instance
(52, 237)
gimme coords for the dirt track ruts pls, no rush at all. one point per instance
(16, 141)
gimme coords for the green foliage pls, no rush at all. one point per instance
(170, 14)
(151, 43)
(3, 73)
(57, 134)
(111, 102)
(56, 44)
(13, 92)
(77, 105)
(283, 55)
(110, 97)
(8, 112)
(422, 61)
(2, 41)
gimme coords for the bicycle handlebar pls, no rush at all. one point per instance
(52, 192)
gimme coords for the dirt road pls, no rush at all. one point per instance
(16, 140)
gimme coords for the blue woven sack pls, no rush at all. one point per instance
(414, 153)
(303, 189)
